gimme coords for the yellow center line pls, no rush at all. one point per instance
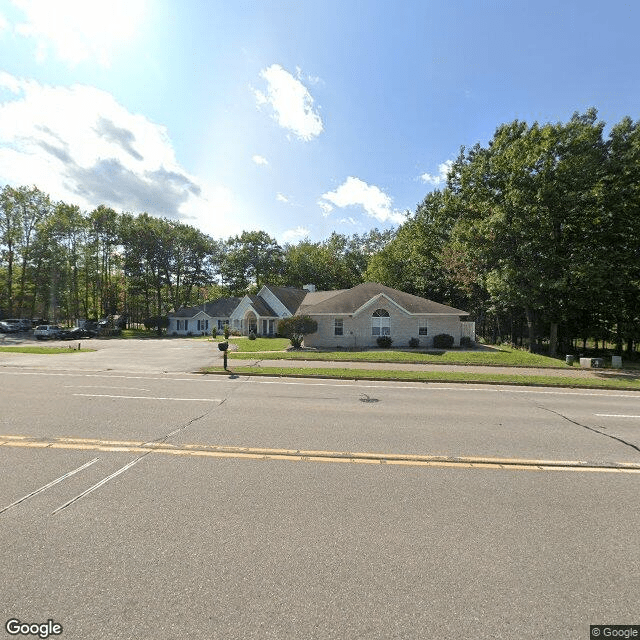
(262, 453)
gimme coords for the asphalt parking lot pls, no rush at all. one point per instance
(151, 355)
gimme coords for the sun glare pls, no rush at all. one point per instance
(78, 30)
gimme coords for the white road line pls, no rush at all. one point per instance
(422, 386)
(614, 415)
(51, 484)
(103, 395)
(102, 386)
(97, 485)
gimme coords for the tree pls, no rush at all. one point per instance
(527, 205)
(252, 259)
(296, 328)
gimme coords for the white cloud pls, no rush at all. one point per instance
(79, 30)
(4, 25)
(348, 220)
(291, 102)
(80, 145)
(326, 208)
(295, 234)
(441, 178)
(260, 160)
(282, 198)
(355, 192)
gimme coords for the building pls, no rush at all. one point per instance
(347, 318)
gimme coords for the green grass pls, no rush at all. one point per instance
(43, 350)
(259, 344)
(437, 376)
(497, 356)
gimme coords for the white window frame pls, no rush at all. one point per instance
(423, 327)
(380, 323)
(338, 327)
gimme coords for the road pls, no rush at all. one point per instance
(269, 508)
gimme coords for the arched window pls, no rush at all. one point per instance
(380, 325)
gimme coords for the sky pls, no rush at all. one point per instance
(297, 118)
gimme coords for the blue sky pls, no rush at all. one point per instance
(299, 118)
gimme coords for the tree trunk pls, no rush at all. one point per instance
(532, 329)
(553, 339)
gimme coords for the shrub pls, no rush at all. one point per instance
(252, 336)
(384, 342)
(466, 342)
(443, 341)
(226, 331)
(296, 328)
(414, 342)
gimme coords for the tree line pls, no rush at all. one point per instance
(59, 263)
(537, 234)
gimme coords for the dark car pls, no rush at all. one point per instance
(75, 333)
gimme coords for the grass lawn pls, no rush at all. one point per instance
(436, 376)
(43, 350)
(498, 356)
(259, 344)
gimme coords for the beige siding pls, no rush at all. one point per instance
(357, 330)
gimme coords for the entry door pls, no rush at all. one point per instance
(265, 325)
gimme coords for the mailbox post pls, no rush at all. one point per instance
(224, 346)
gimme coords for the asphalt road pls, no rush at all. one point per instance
(183, 525)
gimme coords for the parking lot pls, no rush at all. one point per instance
(154, 355)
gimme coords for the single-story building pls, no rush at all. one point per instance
(202, 319)
(346, 318)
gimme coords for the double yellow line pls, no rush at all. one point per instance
(259, 453)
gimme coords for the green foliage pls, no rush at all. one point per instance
(384, 342)
(466, 342)
(443, 341)
(296, 328)
(414, 343)
(227, 331)
(252, 336)
(157, 322)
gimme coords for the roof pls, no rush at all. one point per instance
(347, 302)
(289, 296)
(261, 307)
(221, 308)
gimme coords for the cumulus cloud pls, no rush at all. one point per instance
(326, 208)
(80, 145)
(441, 177)
(357, 193)
(260, 160)
(280, 197)
(295, 234)
(77, 30)
(292, 104)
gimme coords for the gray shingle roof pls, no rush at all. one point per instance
(289, 296)
(221, 308)
(350, 300)
(261, 307)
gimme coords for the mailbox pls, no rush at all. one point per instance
(223, 346)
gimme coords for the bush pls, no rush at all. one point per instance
(414, 342)
(296, 328)
(384, 342)
(252, 336)
(466, 342)
(443, 341)
(226, 331)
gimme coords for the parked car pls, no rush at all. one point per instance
(44, 331)
(20, 324)
(8, 327)
(75, 333)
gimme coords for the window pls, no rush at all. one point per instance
(338, 327)
(222, 323)
(423, 328)
(380, 323)
(203, 325)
